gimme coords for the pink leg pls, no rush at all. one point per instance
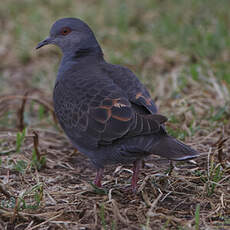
(136, 169)
(98, 178)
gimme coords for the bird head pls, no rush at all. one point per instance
(70, 34)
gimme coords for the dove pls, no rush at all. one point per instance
(104, 110)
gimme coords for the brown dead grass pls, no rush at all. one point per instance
(167, 198)
(68, 200)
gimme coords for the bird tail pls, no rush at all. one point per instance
(173, 149)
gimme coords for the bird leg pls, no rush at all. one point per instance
(136, 169)
(171, 167)
(98, 178)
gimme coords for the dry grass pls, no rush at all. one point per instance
(46, 184)
(58, 193)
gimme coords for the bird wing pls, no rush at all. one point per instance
(128, 81)
(101, 110)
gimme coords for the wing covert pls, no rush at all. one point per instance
(100, 112)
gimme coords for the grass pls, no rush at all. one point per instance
(197, 217)
(20, 139)
(181, 51)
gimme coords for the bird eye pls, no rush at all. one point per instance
(65, 31)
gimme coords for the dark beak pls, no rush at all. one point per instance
(44, 42)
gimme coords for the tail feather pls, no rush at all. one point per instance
(173, 149)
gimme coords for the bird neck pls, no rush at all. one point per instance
(93, 53)
(79, 57)
(90, 51)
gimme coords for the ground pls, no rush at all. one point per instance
(181, 51)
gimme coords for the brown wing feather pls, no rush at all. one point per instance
(101, 112)
(129, 83)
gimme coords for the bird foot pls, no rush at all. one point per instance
(98, 178)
